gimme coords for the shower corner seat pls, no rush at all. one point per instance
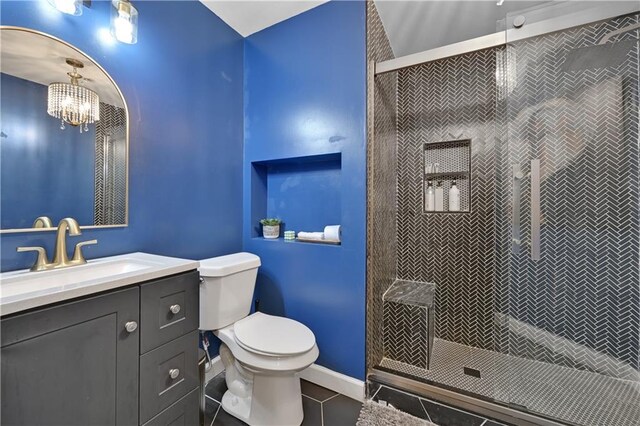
(408, 312)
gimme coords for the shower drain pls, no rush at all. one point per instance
(471, 372)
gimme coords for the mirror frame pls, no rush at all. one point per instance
(127, 136)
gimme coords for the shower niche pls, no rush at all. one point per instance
(446, 164)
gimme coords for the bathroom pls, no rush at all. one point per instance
(368, 212)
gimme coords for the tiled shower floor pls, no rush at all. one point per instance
(556, 392)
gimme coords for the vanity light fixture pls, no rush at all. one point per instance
(124, 21)
(70, 7)
(72, 103)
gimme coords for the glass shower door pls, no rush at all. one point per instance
(569, 311)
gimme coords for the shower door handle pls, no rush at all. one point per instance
(535, 210)
(516, 238)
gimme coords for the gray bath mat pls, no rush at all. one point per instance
(374, 414)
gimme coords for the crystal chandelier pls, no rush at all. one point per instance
(71, 103)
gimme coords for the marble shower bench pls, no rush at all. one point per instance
(408, 309)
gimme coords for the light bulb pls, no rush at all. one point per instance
(123, 28)
(70, 7)
(124, 21)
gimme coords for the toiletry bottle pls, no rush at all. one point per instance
(454, 198)
(430, 198)
(428, 168)
(439, 197)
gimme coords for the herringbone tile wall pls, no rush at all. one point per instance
(451, 99)
(110, 203)
(579, 306)
(381, 183)
(405, 333)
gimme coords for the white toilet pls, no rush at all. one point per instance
(262, 354)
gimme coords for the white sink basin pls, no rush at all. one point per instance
(20, 290)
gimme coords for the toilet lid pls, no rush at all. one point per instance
(273, 335)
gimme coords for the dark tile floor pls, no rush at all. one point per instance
(324, 407)
(321, 406)
(440, 414)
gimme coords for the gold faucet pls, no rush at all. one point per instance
(61, 259)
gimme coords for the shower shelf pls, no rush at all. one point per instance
(430, 176)
(281, 240)
(454, 164)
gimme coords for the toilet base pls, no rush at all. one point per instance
(276, 400)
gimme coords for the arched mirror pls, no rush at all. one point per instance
(64, 138)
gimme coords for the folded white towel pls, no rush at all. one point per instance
(311, 235)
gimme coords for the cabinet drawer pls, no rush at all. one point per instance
(185, 412)
(158, 389)
(158, 324)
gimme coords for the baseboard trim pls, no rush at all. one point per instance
(337, 382)
(322, 376)
(216, 368)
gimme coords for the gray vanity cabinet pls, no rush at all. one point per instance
(72, 364)
(81, 362)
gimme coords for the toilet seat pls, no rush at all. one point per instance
(273, 336)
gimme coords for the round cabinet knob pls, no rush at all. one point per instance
(174, 373)
(174, 309)
(131, 326)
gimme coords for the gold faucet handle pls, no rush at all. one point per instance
(42, 222)
(42, 262)
(78, 258)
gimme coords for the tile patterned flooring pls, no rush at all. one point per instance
(545, 389)
(440, 414)
(322, 407)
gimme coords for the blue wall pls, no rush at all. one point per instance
(305, 95)
(39, 160)
(183, 83)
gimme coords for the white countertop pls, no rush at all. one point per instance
(22, 290)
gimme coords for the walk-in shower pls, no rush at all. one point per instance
(525, 302)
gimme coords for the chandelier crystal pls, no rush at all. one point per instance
(72, 103)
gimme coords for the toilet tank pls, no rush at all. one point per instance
(227, 291)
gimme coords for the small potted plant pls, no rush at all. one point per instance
(270, 227)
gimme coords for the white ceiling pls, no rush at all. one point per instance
(248, 17)
(411, 25)
(44, 62)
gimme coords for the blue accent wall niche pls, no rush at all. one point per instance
(183, 83)
(283, 189)
(305, 161)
